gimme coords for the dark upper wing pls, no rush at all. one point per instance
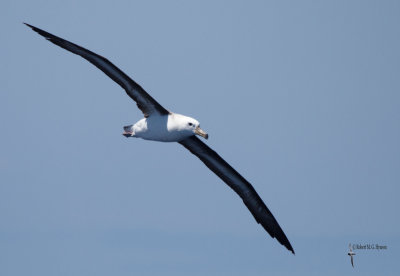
(143, 100)
(240, 185)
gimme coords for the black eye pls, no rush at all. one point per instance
(190, 124)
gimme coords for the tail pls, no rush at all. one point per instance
(128, 131)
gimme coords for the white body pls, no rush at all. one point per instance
(167, 128)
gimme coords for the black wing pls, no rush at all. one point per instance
(352, 261)
(143, 100)
(240, 185)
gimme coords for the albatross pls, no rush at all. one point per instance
(159, 124)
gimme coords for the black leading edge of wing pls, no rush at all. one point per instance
(240, 185)
(144, 101)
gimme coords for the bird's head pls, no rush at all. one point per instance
(192, 126)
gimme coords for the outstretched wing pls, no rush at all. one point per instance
(240, 185)
(143, 100)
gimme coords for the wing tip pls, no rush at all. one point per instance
(45, 34)
(278, 234)
(29, 25)
(285, 242)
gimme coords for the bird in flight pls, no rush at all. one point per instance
(351, 254)
(159, 124)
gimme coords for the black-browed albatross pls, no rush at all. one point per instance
(160, 124)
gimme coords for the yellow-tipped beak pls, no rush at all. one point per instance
(201, 132)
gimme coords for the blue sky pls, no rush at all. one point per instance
(301, 97)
